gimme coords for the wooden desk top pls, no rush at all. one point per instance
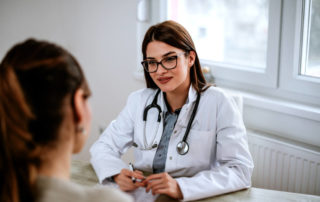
(83, 173)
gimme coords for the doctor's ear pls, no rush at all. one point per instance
(191, 58)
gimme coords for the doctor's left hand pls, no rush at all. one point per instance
(163, 183)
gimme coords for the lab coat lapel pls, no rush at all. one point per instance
(187, 108)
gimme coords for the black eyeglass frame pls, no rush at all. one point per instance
(145, 66)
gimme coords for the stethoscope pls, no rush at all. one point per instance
(182, 146)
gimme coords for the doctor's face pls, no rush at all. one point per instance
(169, 79)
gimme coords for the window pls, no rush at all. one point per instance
(311, 61)
(231, 32)
(300, 50)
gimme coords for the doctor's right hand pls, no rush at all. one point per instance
(124, 179)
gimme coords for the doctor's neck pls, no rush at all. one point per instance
(177, 98)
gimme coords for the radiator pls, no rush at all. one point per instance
(284, 166)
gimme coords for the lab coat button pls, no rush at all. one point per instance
(170, 157)
(175, 131)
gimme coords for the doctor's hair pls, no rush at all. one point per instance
(174, 34)
(36, 79)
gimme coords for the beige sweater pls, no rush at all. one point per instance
(56, 190)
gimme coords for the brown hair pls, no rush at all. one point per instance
(175, 35)
(35, 78)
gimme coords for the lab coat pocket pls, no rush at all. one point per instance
(201, 148)
(144, 158)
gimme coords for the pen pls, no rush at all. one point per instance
(131, 168)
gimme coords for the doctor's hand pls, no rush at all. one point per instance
(124, 179)
(163, 183)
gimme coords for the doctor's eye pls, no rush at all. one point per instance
(170, 59)
(169, 62)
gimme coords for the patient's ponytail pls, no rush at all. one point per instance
(35, 79)
(15, 140)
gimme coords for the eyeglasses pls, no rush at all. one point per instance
(167, 63)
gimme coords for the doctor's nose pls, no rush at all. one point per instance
(161, 69)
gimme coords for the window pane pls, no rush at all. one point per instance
(229, 31)
(312, 67)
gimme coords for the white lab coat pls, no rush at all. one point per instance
(218, 160)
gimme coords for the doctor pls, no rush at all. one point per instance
(187, 135)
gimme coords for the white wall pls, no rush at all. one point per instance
(100, 33)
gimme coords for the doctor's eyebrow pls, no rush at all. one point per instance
(164, 55)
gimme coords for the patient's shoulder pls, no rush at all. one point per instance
(106, 193)
(50, 189)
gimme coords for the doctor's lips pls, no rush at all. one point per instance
(164, 80)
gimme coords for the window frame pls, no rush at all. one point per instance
(293, 48)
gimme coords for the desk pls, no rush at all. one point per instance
(83, 173)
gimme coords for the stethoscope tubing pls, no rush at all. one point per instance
(145, 114)
(191, 118)
(153, 104)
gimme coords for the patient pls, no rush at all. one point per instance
(44, 119)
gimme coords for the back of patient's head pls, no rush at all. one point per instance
(36, 78)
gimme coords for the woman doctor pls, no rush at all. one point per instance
(187, 135)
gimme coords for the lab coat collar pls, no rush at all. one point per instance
(192, 96)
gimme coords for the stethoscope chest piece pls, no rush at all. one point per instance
(182, 147)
